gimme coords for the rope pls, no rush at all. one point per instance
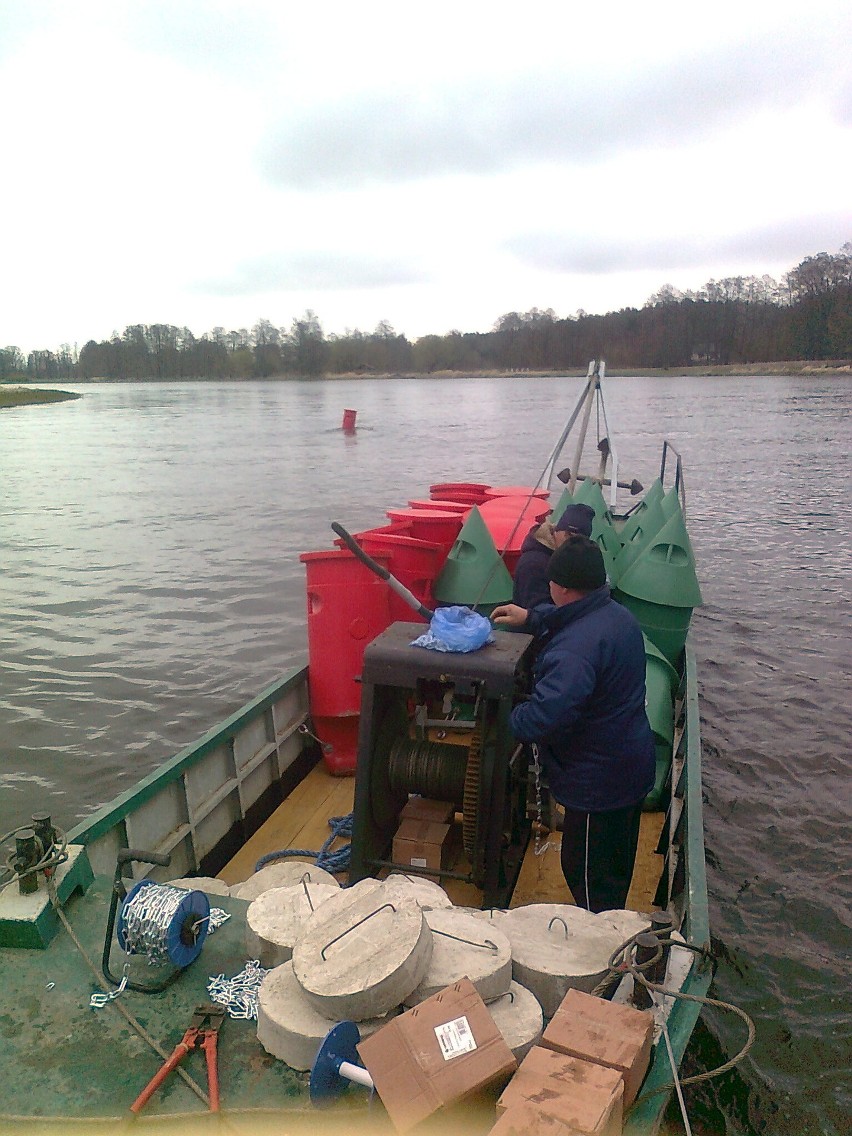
(735, 1060)
(48, 860)
(620, 964)
(336, 861)
(665, 1032)
(128, 1017)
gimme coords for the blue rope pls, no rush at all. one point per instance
(337, 861)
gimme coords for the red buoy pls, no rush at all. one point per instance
(349, 419)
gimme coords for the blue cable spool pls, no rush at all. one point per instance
(180, 934)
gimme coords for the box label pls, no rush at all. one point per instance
(418, 862)
(455, 1038)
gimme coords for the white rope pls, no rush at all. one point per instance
(677, 1085)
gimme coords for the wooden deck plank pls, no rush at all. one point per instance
(301, 821)
(541, 879)
(649, 864)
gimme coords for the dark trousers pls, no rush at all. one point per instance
(598, 854)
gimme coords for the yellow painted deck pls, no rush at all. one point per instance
(301, 821)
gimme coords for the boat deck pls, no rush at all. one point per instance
(72, 1061)
(301, 821)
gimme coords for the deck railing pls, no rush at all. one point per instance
(685, 873)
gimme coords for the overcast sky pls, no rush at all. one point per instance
(207, 163)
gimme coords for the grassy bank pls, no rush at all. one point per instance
(29, 396)
(743, 370)
(709, 370)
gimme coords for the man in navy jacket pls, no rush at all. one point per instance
(531, 583)
(586, 714)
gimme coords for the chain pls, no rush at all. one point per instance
(326, 747)
(99, 1000)
(146, 920)
(144, 931)
(238, 994)
(216, 918)
(148, 917)
(540, 848)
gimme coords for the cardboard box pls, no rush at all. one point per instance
(422, 844)
(608, 1033)
(424, 808)
(436, 1054)
(528, 1119)
(587, 1098)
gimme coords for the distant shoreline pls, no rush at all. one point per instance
(26, 395)
(732, 370)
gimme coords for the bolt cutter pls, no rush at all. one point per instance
(203, 1031)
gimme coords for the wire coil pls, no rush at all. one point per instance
(163, 923)
(432, 769)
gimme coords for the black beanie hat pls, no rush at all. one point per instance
(577, 564)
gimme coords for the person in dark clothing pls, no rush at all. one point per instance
(531, 585)
(586, 716)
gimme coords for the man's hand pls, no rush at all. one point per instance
(509, 615)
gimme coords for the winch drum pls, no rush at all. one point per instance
(395, 759)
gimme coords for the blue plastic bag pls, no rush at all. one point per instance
(456, 629)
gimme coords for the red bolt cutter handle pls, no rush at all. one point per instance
(180, 1050)
(206, 1022)
(210, 1052)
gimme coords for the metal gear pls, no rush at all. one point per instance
(470, 807)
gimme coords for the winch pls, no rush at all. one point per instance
(436, 724)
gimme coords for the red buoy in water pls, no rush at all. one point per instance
(349, 419)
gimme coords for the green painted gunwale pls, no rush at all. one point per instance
(647, 1116)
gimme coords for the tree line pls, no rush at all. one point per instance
(742, 319)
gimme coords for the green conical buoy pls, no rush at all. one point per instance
(670, 504)
(609, 544)
(474, 572)
(561, 505)
(646, 525)
(664, 572)
(603, 531)
(661, 587)
(652, 497)
(660, 682)
(589, 493)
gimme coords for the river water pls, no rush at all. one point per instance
(151, 584)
